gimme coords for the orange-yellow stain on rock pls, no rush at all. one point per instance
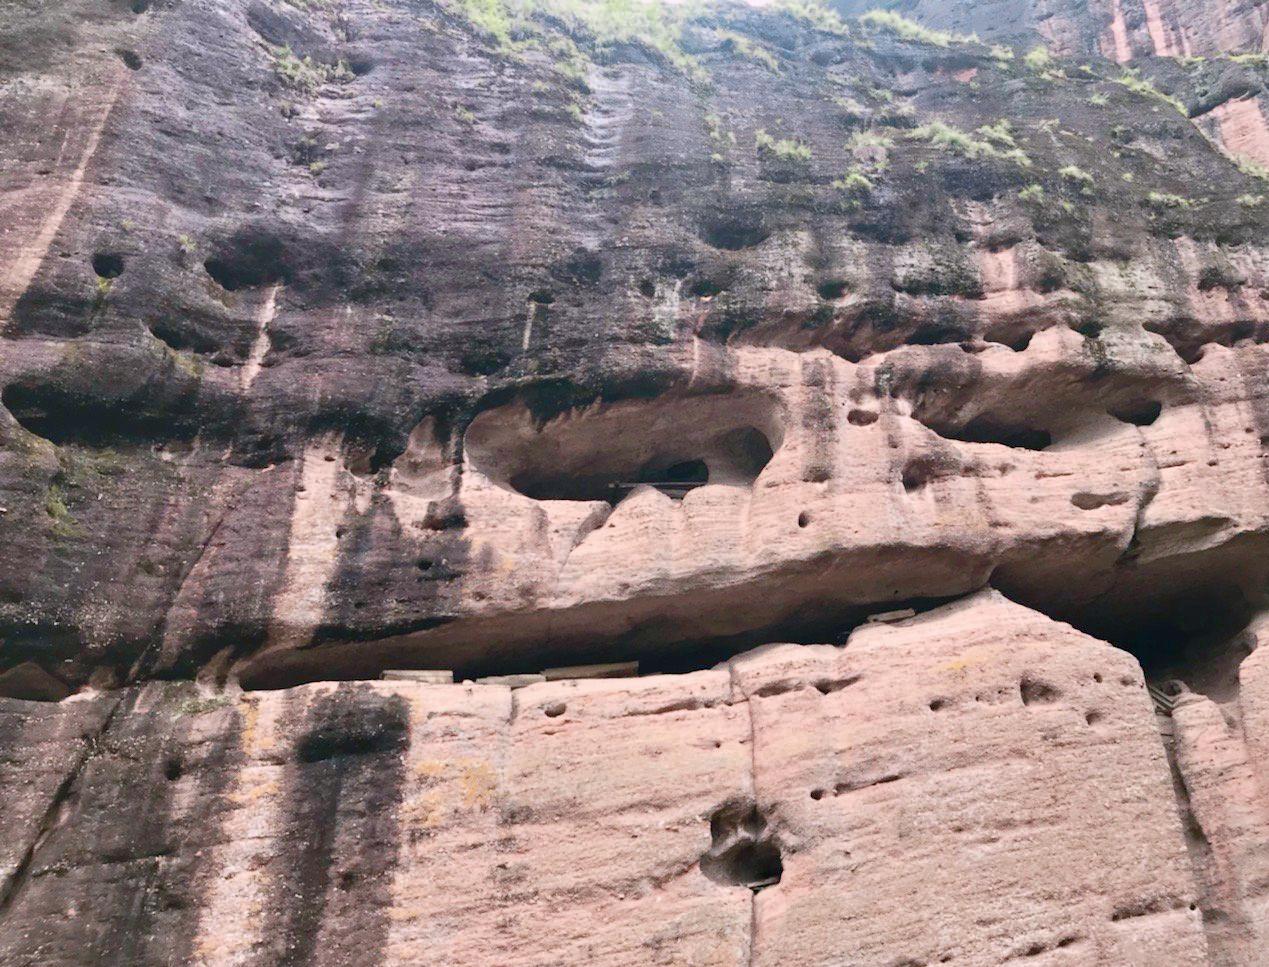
(479, 784)
(476, 783)
(970, 659)
(426, 811)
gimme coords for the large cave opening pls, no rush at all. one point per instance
(1184, 618)
(604, 452)
(1192, 634)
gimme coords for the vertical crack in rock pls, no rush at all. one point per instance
(165, 643)
(54, 814)
(744, 850)
(1150, 490)
(1197, 846)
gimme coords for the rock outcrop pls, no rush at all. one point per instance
(346, 336)
(976, 784)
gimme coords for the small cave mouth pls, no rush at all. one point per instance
(1193, 635)
(1184, 621)
(1137, 412)
(735, 230)
(832, 290)
(606, 451)
(63, 417)
(988, 429)
(108, 265)
(249, 261)
(743, 849)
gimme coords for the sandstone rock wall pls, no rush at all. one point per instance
(1118, 29)
(977, 784)
(338, 337)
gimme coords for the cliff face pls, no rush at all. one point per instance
(1121, 30)
(338, 337)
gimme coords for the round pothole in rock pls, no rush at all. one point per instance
(108, 265)
(743, 851)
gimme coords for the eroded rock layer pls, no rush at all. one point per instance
(973, 785)
(345, 336)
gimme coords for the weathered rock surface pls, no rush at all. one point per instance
(345, 336)
(975, 784)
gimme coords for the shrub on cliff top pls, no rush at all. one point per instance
(784, 149)
(750, 50)
(518, 25)
(906, 29)
(953, 139)
(1139, 85)
(304, 73)
(813, 12)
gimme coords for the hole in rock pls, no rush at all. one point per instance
(64, 417)
(542, 297)
(804, 519)
(735, 230)
(859, 417)
(931, 465)
(30, 682)
(1089, 501)
(1036, 692)
(603, 452)
(833, 290)
(704, 288)
(986, 429)
(1194, 636)
(1183, 616)
(248, 261)
(1137, 412)
(936, 335)
(647, 288)
(180, 335)
(743, 851)
(108, 265)
(131, 59)
(1090, 330)
(173, 770)
(583, 267)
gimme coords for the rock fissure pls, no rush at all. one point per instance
(54, 813)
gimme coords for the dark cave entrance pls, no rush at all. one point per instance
(605, 452)
(1181, 625)
(1192, 636)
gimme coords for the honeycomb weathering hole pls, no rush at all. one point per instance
(605, 451)
(743, 851)
(249, 260)
(108, 265)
